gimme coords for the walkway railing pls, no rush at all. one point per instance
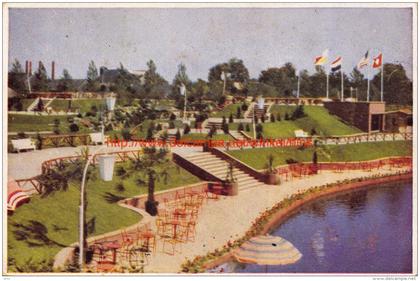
(305, 169)
(121, 156)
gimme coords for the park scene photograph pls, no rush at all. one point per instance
(209, 139)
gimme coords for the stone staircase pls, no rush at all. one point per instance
(259, 112)
(32, 106)
(214, 122)
(218, 168)
(236, 135)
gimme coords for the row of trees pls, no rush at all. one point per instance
(276, 81)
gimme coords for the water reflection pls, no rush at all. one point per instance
(367, 231)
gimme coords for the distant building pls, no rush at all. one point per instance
(109, 76)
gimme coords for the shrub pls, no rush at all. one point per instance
(247, 128)
(231, 118)
(21, 135)
(278, 116)
(291, 161)
(244, 107)
(286, 116)
(159, 127)
(125, 133)
(171, 125)
(73, 127)
(313, 132)
(172, 117)
(238, 112)
(298, 113)
(225, 128)
(120, 187)
(262, 118)
(149, 135)
(223, 120)
(240, 127)
(272, 118)
(178, 135)
(187, 129)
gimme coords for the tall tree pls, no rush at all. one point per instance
(284, 79)
(155, 86)
(40, 81)
(66, 82)
(17, 78)
(398, 88)
(92, 77)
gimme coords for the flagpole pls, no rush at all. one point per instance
(328, 81)
(298, 86)
(342, 84)
(185, 105)
(382, 77)
(368, 84)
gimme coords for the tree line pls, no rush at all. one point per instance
(274, 82)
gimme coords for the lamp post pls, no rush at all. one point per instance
(106, 168)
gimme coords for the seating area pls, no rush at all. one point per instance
(173, 226)
(23, 144)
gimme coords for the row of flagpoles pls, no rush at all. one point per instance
(364, 63)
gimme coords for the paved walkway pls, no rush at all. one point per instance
(28, 164)
(230, 217)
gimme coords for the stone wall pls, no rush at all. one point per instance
(357, 114)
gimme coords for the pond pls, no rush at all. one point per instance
(364, 231)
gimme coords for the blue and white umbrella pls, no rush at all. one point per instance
(267, 250)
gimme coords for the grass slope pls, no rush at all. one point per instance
(257, 158)
(317, 118)
(59, 213)
(227, 110)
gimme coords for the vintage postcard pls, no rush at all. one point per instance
(209, 139)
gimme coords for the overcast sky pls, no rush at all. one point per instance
(201, 38)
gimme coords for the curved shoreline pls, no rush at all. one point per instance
(285, 213)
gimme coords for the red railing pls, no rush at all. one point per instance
(305, 169)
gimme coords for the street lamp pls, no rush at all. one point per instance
(106, 168)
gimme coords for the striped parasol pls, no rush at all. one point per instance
(267, 250)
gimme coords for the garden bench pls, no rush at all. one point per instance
(301, 134)
(23, 144)
(97, 138)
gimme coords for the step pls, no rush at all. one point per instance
(206, 160)
(197, 155)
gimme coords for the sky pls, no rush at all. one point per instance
(201, 38)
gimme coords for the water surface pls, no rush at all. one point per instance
(364, 231)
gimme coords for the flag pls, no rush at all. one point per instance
(223, 76)
(182, 89)
(377, 62)
(364, 61)
(320, 60)
(336, 65)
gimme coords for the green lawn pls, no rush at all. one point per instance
(317, 118)
(59, 213)
(197, 136)
(227, 110)
(84, 105)
(33, 123)
(257, 157)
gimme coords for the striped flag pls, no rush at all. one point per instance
(323, 59)
(336, 64)
(364, 61)
(377, 61)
